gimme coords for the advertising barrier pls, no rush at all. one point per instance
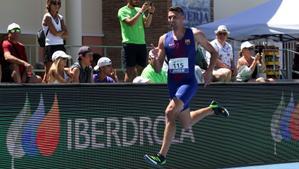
(113, 126)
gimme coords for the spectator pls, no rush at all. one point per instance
(150, 74)
(1, 57)
(15, 66)
(250, 68)
(57, 72)
(0, 73)
(53, 23)
(1, 60)
(105, 72)
(132, 21)
(82, 70)
(225, 68)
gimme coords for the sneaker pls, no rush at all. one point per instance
(155, 160)
(219, 110)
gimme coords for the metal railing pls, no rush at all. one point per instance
(34, 56)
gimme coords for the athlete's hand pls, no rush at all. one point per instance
(207, 77)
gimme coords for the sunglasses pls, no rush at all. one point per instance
(56, 3)
(222, 33)
(16, 30)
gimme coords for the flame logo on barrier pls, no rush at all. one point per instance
(34, 134)
(285, 122)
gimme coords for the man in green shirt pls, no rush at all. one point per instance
(150, 73)
(133, 21)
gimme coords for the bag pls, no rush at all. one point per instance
(41, 37)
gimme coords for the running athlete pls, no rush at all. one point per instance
(179, 45)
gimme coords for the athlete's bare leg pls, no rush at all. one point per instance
(173, 109)
(188, 118)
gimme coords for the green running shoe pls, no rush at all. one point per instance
(155, 160)
(219, 110)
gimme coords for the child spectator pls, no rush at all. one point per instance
(57, 72)
(82, 70)
(105, 71)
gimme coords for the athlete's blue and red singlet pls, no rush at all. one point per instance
(182, 83)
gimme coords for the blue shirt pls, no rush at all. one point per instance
(181, 57)
(107, 79)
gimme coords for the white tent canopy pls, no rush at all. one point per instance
(275, 17)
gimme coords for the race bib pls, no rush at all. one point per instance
(178, 65)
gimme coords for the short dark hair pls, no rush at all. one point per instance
(176, 9)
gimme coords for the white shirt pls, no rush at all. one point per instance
(50, 38)
(225, 52)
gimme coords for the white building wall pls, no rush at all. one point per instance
(92, 17)
(28, 14)
(226, 8)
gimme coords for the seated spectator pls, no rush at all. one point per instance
(225, 68)
(15, 67)
(250, 68)
(57, 72)
(82, 70)
(105, 71)
(1, 60)
(0, 73)
(150, 74)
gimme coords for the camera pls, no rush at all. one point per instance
(259, 49)
(150, 3)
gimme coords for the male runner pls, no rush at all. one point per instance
(179, 46)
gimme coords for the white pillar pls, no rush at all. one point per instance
(74, 25)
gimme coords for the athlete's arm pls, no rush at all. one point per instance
(159, 53)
